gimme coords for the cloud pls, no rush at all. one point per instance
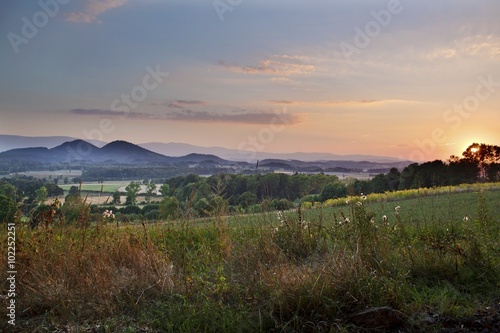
(190, 102)
(253, 117)
(277, 65)
(468, 47)
(341, 103)
(186, 115)
(93, 8)
(182, 104)
(111, 113)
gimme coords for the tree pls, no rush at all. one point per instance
(169, 207)
(431, 174)
(150, 191)
(247, 199)
(41, 194)
(165, 190)
(132, 190)
(7, 209)
(393, 179)
(74, 191)
(407, 177)
(332, 190)
(461, 171)
(486, 157)
(75, 209)
(116, 198)
(379, 184)
(203, 207)
(8, 190)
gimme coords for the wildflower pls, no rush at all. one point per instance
(372, 221)
(397, 209)
(359, 203)
(364, 197)
(347, 220)
(348, 201)
(384, 218)
(466, 218)
(304, 224)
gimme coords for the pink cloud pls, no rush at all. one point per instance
(93, 8)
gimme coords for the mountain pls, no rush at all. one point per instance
(116, 151)
(8, 142)
(181, 149)
(126, 152)
(79, 150)
(201, 158)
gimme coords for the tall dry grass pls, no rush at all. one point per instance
(71, 274)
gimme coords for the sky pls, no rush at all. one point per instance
(417, 80)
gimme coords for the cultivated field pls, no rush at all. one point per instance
(426, 254)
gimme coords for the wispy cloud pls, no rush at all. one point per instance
(93, 8)
(183, 104)
(111, 113)
(254, 117)
(277, 65)
(340, 103)
(186, 115)
(486, 46)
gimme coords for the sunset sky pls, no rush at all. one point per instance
(418, 80)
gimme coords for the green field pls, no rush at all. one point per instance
(306, 270)
(106, 188)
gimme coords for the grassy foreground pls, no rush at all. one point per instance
(306, 270)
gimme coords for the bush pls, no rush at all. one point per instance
(148, 208)
(131, 209)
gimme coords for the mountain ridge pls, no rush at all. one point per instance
(117, 151)
(172, 150)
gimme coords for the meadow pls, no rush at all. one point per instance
(106, 187)
(429, 252)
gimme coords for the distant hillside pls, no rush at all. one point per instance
(181, 149)
(117, 151)
(8, 142)
(79, 150)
